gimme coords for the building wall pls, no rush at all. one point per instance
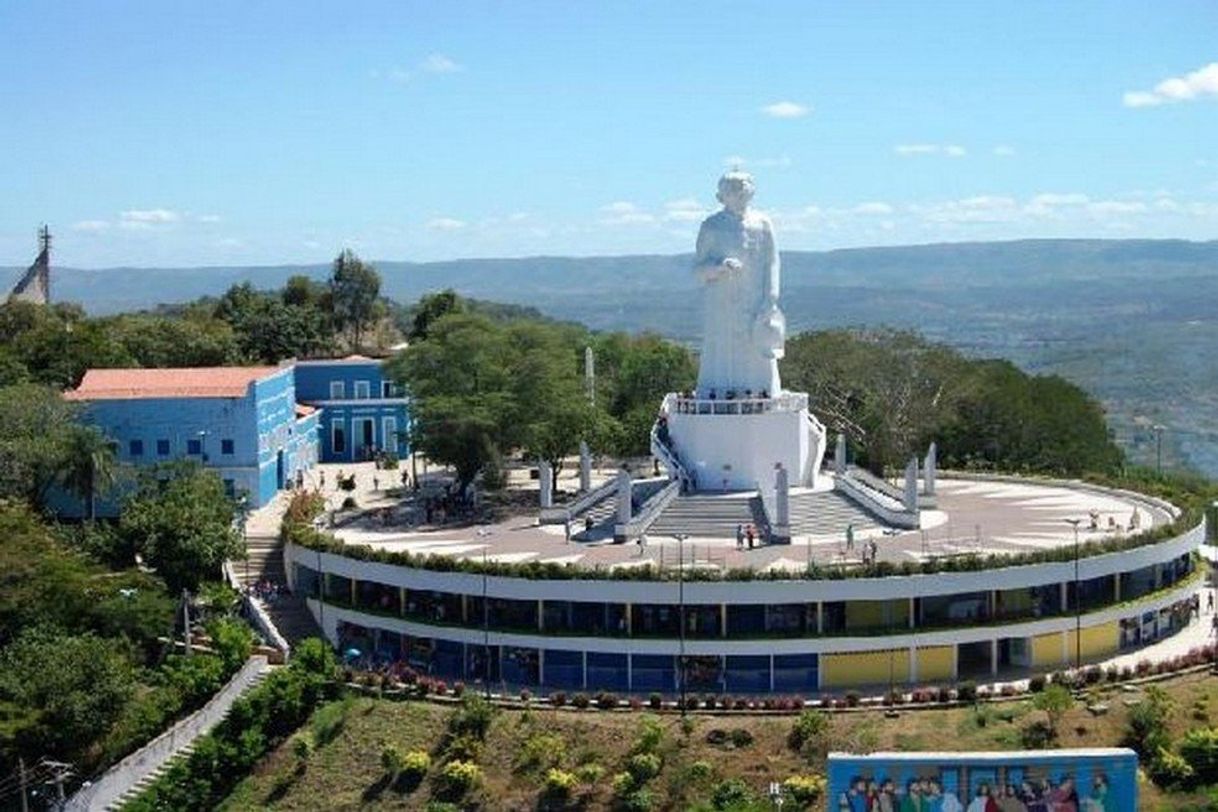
(361, 397)
(259, 426)
(864, 668)
(1047, 650)
(1097, 641)
(936, 664)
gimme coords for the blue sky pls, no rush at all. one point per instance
(259, 133)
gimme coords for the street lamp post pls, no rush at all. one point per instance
(681, 537)
(1078, 602)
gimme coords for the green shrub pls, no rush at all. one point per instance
(473, 717)
(1170, 770)
(302, 747)
(590, 773)
(456, 778)
(1199, 748)
(700, 770)
(805, 790)
(559, 783)
(644, 766)
(1146, 725)
(329, 720)
(232, 640)
(740, 737)
(731, 794)
(416, 764)
(623, 784)
(541, 751)
(810, 731)
(392, 760)
(650, 734)
(967, 691)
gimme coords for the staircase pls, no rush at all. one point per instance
(603, 515)
(818, 513)
(709, 515)
(288, 611)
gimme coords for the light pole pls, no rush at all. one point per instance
(486, 634)
(1158, 430)
(1078, 602)
(681, 537)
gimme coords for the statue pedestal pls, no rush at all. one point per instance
(735, 444)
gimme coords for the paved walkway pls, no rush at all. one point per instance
(134, 773)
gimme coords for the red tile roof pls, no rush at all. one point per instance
(189, 382)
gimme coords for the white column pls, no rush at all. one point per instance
(585, 467)
(839, 454)
(911, 485)
(781, 526)
(623, 496)
(930, 469)
(545, 482)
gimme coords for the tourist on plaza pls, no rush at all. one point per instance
(739, 537)
(748, 532)
(849, 537)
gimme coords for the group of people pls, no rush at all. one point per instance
(746, 533)
(928, 795)
(266, 591)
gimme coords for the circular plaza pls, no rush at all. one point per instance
(1005, 578)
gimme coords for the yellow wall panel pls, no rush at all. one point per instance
(1047, 650)
(864, 668)
(1097, 641)
(936, 663)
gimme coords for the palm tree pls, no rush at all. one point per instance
(90, 466)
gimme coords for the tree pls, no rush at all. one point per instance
(1054, 700)
(182, 523)
(33, 446)
(355, 292)
(431, 307)
(41, 582)
(90, 467)
(459, 381)
(76, 686)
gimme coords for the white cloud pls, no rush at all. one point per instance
(873, 207)
(230, 242)
(439, 63)
(1104, 207)
(209, 218)
(445, 224)
(1004, 151)
(1201, 83)
(950, 150)
(916, 149)
(149, 216)
(91, 226)
(624, 213)
(786, 109)
(976, 209)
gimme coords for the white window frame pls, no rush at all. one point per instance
(389, 434)
(338, 390)
(387, 389)
(363, 390)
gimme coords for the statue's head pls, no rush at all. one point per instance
(736, 190)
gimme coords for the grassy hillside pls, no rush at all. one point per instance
(342, 770)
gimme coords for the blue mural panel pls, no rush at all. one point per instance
(1098, 780)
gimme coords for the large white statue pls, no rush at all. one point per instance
(742, 328)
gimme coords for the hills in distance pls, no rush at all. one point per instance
(1133, 321)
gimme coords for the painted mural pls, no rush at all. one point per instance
(1100, 780)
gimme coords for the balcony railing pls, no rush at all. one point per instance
(783, 402)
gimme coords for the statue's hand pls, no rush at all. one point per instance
(732, 265)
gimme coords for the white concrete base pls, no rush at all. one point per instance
(739, 451)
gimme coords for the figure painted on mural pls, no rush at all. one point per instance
(743, 331)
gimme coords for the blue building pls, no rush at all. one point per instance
(363, 411)
(244, 422)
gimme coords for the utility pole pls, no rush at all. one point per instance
(1078, 602)
(186, 620)
(25, 798)
(62, 773)
(680, 537)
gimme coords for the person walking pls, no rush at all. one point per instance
(849, 538)
(740, 545)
